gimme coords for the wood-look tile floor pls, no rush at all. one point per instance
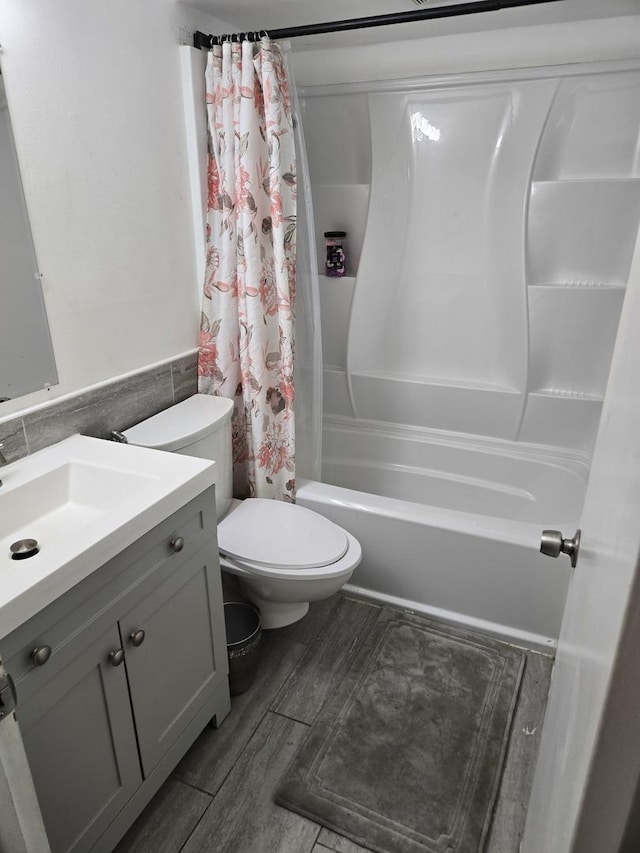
(220, 796)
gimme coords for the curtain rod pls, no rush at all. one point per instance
(204, 41)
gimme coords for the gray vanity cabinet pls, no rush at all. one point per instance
(174, 666)
(137, 667)
(81, 744)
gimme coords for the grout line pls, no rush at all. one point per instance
(272, 706)
(197, 824)
(306, 646)
(357, 640)
(315, 840)
(229, 772)
(193, 787)
(173, 385)
(293, 719)
(239, 755)
(26, 437)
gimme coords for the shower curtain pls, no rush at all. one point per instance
(308, 359)
(247, 320)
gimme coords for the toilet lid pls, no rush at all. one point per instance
(278, 534)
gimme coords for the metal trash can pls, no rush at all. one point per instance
(244, 633)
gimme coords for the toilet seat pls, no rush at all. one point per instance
(275, 534)
(343, 566)
(275, 539)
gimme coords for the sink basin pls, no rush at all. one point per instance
(59, 502)
(84, 500)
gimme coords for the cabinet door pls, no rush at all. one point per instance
(80, 742)
(181, 660)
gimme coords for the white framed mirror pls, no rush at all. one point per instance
(27, 361)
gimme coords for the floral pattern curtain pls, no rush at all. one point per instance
(247, 320)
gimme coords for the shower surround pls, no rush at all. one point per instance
(491, 220)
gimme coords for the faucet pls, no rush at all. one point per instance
(3, 459)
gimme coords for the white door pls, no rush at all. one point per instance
(589, 760)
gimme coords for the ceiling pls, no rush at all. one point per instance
(275, 14)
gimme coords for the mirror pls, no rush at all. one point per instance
(26, 355)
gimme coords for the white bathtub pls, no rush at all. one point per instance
(450, 524)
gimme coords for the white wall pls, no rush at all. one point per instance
(518, 47)
(94, 91)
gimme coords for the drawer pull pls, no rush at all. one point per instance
(40, 655)
(137, 637)
(116, 657)
(177, 544)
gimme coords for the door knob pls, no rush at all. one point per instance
(136, 638)
(553, 544)
(177, 544)
(40, 655)
(116, 657)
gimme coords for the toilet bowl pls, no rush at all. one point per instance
(283, 555)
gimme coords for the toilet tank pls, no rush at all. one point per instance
(199, 426)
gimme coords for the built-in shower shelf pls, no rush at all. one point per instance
(583, 184)
(580, 285)
(352, 187)
(561, 416)
(572, 331)
(582, 231)
(448, 404)
(591, 179)
(440, 381)
(339, 283)
(341, 208)
(568, 394)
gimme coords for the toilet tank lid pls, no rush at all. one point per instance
(181, 424)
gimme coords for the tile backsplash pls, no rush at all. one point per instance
(117, 405)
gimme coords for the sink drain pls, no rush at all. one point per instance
(24, 548)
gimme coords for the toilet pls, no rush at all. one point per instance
(283, 555)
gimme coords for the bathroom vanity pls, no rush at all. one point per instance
(116, 677)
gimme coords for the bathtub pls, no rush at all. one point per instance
(450, 524)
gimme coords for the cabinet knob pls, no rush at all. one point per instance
(177, 544)
(137, 637)
(40, 655)
(116, 657)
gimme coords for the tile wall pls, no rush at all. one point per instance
(118, 406)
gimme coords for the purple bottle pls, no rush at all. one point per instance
(334, 264)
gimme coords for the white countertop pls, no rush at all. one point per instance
(85, 500)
